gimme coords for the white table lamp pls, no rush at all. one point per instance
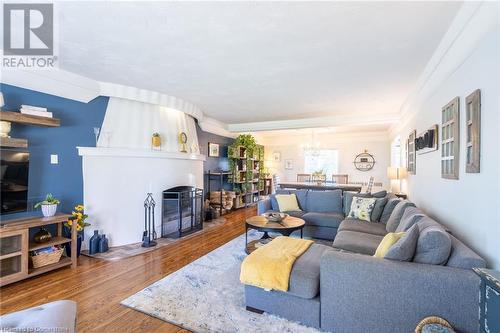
(397, 173)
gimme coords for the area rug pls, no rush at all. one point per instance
(207, 296)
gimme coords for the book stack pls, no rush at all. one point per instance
(35, 111)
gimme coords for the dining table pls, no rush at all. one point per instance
(322, 186)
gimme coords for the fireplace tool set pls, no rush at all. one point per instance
(149, 235)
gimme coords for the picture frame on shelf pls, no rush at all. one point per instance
(213, 149)
(276, 156)
(289, 164)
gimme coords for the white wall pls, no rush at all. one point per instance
(468, 206)
(348, 145)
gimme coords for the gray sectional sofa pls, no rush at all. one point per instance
(342, 288)
(323, 211)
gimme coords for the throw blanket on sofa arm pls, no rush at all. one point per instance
(270, 266)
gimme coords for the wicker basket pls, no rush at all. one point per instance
(44, 259)
(432, 320)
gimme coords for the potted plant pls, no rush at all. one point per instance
(49, 205)
(78, 217)
(156, 140)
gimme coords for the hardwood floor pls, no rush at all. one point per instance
(98, 286)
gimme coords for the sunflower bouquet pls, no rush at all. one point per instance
(78, 216)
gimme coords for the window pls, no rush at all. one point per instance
(396, 152)
(326, 160)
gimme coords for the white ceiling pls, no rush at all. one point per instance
(258, 61)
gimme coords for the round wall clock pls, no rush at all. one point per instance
(364, 161)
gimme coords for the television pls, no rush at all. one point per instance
(14, 180)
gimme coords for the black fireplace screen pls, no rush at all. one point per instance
(182, 208)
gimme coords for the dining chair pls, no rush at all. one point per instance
(340, 179)
(303, 177)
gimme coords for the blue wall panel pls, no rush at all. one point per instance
(214, 163)
(64, 180)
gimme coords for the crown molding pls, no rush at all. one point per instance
(337, 120)
(214, 126)
(53, 82)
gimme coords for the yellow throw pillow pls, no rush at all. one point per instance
(287, 202)
(389, 240)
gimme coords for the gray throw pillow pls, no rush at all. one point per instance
(379, 194)
(411, 216)
(389, 207)
(378, 209)
(404, 249)
(434, 244)
(397, 214)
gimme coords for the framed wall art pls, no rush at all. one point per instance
(411, 156)
(473, 132)
(450, 139)
(213, 149)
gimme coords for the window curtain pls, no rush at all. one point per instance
(130, 124)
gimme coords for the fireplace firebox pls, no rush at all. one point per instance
(182, 208)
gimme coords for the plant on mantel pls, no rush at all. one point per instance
(246, 153)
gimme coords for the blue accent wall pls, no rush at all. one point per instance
(64, 180)
(214, 163)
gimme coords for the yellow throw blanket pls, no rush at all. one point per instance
(270, 266)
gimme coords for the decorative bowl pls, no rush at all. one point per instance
(275, 217)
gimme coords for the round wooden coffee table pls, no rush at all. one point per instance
(260, 223)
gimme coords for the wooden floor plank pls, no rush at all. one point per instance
(98, 286)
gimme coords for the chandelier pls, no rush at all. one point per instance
(311, 148)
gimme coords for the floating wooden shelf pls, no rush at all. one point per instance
(54, 241)
(26, 119)
(12, 142)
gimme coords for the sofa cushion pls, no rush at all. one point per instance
(463, 257)
(411, 216)
(397, 214)
(287, 202)
(58, 314)
(388, 208)
(331, 220)
(304, 278)
(301, 197)
(361, 208)
(378, 209)
(324, 201)
(434, 243)
(363, 226)
(404, 249)
(357, 242)
(297, 213)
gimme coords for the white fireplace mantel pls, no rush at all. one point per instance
(116, 181)
(126, 152)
